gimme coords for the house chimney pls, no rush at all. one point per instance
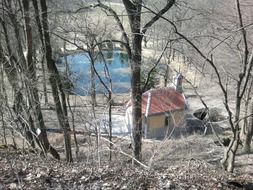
(179, 86)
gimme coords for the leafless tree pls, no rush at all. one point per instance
(247, 126)
(56, 84)
(133, 44)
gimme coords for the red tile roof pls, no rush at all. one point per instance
(162, 100)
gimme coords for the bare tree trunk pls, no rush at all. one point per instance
(3, 124)
(37, 17)
(249, 130)
(2, 101)
(56, 84)
(30, 71)
(73, 126)
(93, 78)
(134, 14)
(4, 94)
(110, 123)
(44, 79)
(67, 73)
(231, 152)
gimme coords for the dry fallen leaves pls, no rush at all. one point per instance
(34, 172)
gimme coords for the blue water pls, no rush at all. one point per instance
(80, 72)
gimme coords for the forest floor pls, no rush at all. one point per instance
(191, 162)
(187, 163)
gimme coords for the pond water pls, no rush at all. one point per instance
(80, 72)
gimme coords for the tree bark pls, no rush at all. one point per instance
(54, 78)
(2, 99)
(93, 79)
(134, 15)
(229, 164)
(110, 122)
(249, 130)
(37, 17)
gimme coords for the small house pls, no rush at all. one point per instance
(163, 109)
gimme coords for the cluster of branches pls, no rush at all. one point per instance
(21, 38)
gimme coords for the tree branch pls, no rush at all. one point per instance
(246, 53)
(153, 68)
(116, 17)
(129, 5)
(157, 16)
